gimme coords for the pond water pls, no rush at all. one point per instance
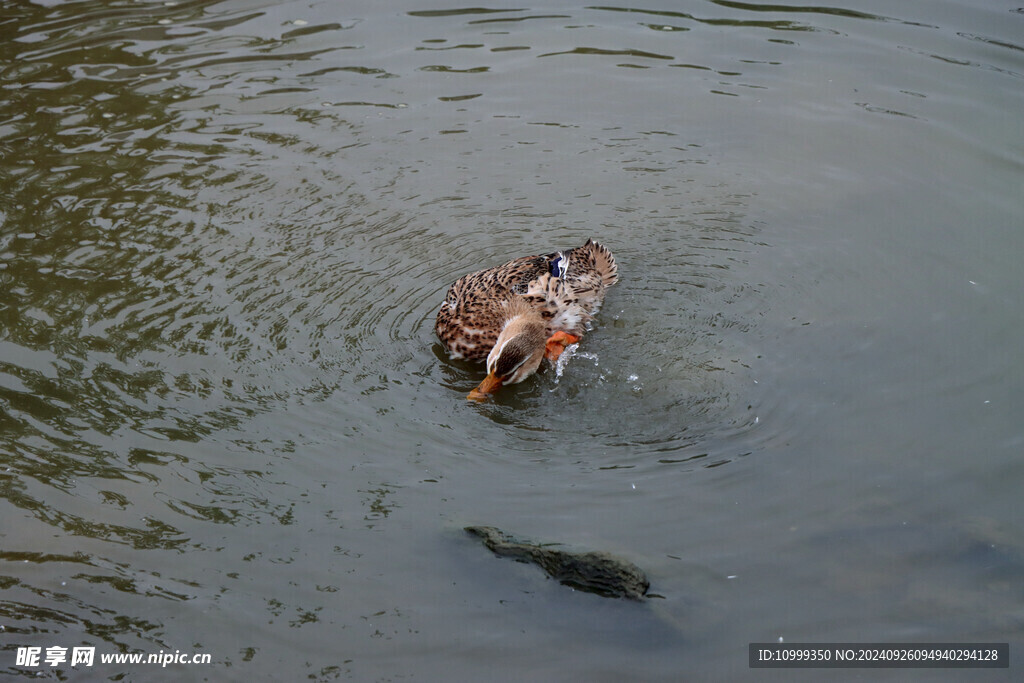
(226, 426)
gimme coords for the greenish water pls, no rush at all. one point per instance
(226, 426)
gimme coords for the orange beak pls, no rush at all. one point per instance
(490, 384)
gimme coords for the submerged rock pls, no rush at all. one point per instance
(595, 572)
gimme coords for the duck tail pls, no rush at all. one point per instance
(604, 262)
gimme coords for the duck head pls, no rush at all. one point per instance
(516, 354)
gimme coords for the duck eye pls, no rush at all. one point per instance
(506, 366)
(511, 358)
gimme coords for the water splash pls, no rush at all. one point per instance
(572, 351)
(563, 360)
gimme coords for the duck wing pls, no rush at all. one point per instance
(477, 305)
(566, 288)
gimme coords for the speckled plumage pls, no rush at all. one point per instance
(478, 305)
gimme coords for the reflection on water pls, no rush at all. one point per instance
(226, 426)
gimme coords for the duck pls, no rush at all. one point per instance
(519, 313)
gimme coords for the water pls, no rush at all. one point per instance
(227, 427)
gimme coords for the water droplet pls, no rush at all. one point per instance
(300, 22)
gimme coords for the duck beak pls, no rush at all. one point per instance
(490, 384)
